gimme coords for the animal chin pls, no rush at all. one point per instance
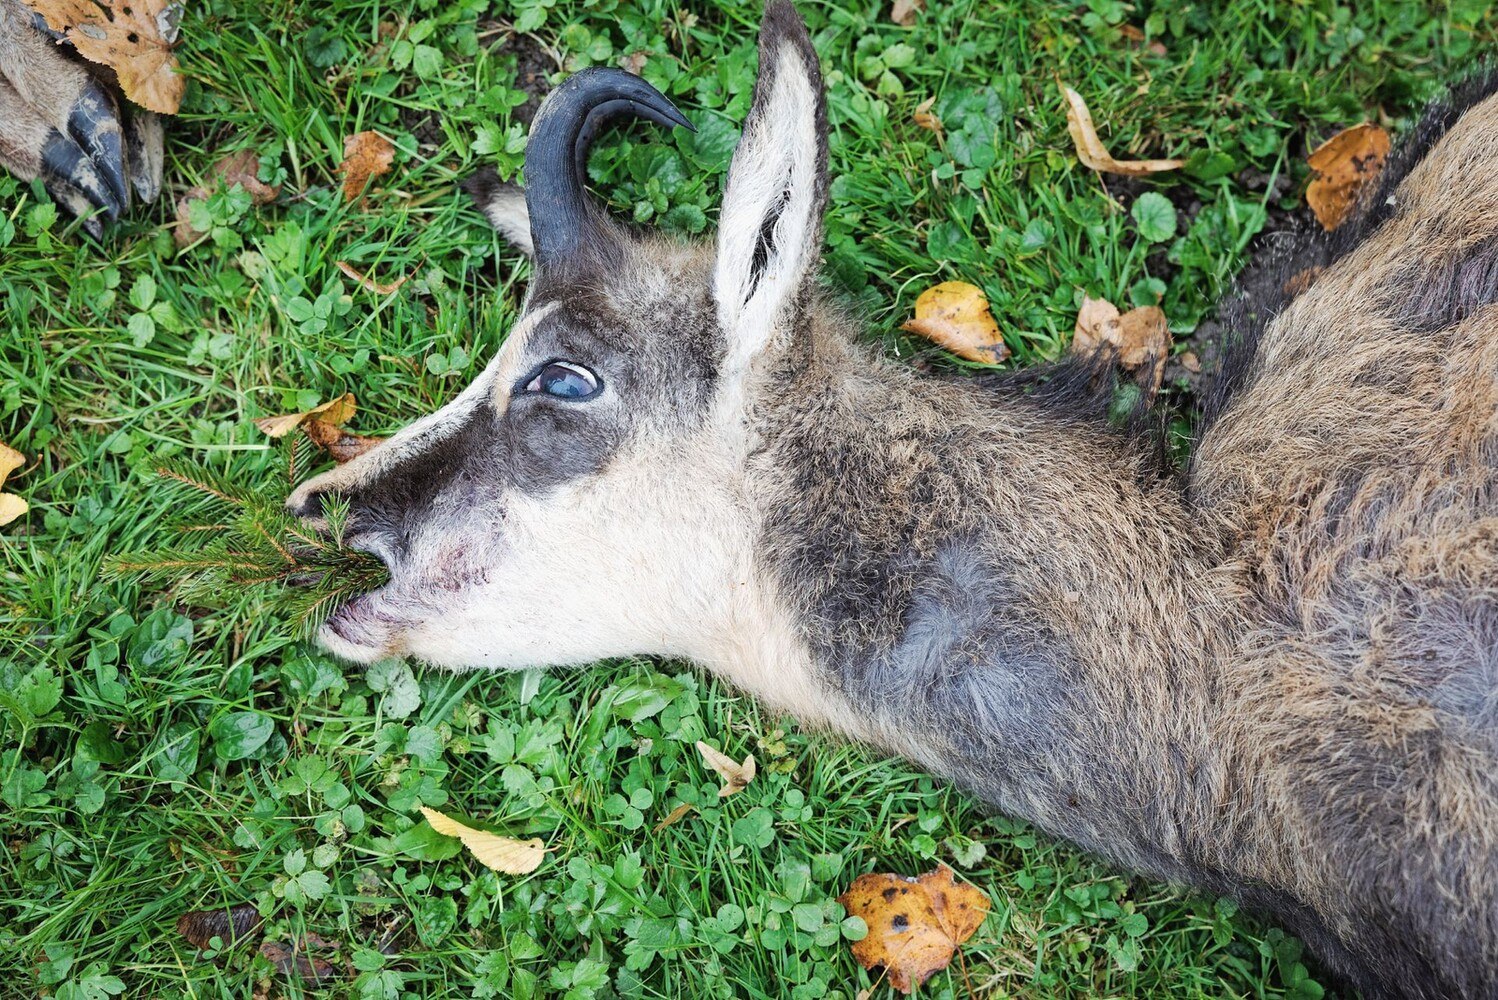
(360, 631)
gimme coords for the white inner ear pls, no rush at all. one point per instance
(508, 213)
(773, 177)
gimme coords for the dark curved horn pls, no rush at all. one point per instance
(557, 153)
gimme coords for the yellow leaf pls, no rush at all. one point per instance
(132, 37)
(1346, 165)
(503, 854)
(335, 412)
(1092, 152)
(10, 461)
(11, 507)
(955, 315)
(736, 776)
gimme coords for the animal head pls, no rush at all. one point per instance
(583, 497)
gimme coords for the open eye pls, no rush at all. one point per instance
(564, 380)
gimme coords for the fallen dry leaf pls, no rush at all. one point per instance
(903, 12)
(1301, 280)
(674, 816)
(1139, 338)
(11, 506)
(239, 168)
(736, 776)
(366, 282)
(366, 155)
(925, 119)
(635, 62)
(334, 411)
(1191, 362)
(1346, 165)
(1135, 37)
(337, 442)
(503, 854)
(298, 957)
(955, 315)
(233, 925)
(915, 924)
(1092, 152)
(132, 37)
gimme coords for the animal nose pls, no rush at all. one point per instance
(307, 501)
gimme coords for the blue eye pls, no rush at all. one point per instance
(564, 380)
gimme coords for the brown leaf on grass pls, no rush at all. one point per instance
(299, 957)
(231, 926)
(366, 155)
(503, 854)
(132, 37)
(1139, 338)
(925, 119)
(366, 282)
(736, 776)
(674, 816)
(337, 442)
(1346, 165)
(239, 168)
(915, 924)
(903, 12)
(1092, 152)
(634, 63)
(955, 315)
(1135, 37)
(1302, 280)
(11, 506)
(335, 412)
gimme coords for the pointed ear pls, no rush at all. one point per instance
(770, 226)
(504, 205)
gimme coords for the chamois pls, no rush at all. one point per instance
(1276, 678)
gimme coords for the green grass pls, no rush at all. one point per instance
(159, 755)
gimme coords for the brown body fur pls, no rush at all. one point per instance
(1281, 681)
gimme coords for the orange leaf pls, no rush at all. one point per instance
(1346, 165)
(366, 155)
(132, 37)
(337, 442)
(1139, 338)
(955, 315)
(915, 925)
(335, 412)
(1092, 152)
(925, 119)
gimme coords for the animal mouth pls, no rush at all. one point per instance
(361, 628)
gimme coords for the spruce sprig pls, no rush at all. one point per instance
(231, 536)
